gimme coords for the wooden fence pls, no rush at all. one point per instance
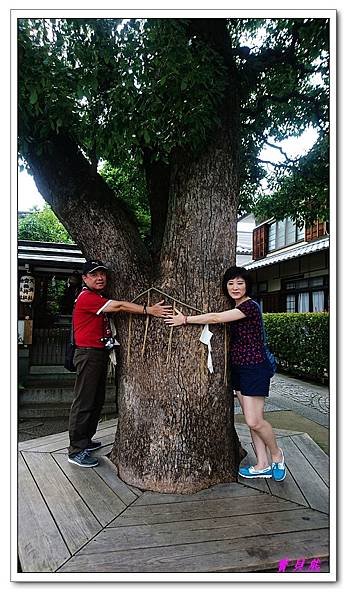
(48, 347)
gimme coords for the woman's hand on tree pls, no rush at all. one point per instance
(176, 320)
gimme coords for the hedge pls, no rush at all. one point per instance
(300, 342)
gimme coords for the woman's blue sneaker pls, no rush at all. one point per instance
(250, 472)
(279, 469)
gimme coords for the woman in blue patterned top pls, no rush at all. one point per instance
(250, 371)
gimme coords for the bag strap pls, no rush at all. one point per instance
(262, 323)
(72, 335)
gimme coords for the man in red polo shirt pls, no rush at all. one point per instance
(91, 331)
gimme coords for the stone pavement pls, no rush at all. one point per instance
(293, 404)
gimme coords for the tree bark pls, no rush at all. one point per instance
(175, 431)
(97, 221)
(180, 415)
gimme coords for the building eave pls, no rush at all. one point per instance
(289, 253)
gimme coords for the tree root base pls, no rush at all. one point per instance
(169, 486)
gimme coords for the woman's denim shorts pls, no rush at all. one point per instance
(251, 380)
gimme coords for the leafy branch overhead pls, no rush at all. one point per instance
(134, 92)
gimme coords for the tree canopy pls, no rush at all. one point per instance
(134, 90)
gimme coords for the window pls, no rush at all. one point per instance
(304, 302)
(290, 303)
(300, 234)
(317, 230)
(272, 237)
(316, 281)
(304, 296)
(283, 233)
(260, 241)
(262, 286)
(318, 301)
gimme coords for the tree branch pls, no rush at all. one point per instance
(97, 221)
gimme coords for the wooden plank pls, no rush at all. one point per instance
(256, 553)
(138, 493)
(41, 547)
(287, 489)
(108, 472)
(75, 521)
(106, 440)
(62, 437)
(222, 490)
(103, 451)
(106, 424)
(206, 509)
(311, 485)
(98, 496)
(206, 530)
(314, 454)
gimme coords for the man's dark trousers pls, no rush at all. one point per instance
(89, 396)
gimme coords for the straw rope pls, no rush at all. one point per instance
(168, 355)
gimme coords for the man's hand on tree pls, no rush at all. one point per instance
(160, 310)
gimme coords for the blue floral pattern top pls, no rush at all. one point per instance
(246, 339)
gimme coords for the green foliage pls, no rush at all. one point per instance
(55, 294)
(119, 87)
(43, 226)
(300, 342)
(307, 188)
(128, 182)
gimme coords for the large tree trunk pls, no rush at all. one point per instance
(175, 431)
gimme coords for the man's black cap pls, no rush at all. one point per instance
(93, 265)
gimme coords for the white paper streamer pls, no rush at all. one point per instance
(205, 338)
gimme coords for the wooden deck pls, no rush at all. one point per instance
(73, 520)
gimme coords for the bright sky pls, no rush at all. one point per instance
(29, 196)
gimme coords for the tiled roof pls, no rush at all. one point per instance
(39, 253)
(243, 250)
(289, 253)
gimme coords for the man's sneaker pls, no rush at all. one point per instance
(93, 446)
(279, 469)
(251, 473)
(83, 459)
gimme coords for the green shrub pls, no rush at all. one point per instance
(300, 342)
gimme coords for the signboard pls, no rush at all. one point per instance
(25, 332)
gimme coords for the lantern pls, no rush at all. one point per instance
(27, 288)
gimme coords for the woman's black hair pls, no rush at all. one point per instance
(233, 272)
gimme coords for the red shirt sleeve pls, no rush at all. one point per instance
(91, 302)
